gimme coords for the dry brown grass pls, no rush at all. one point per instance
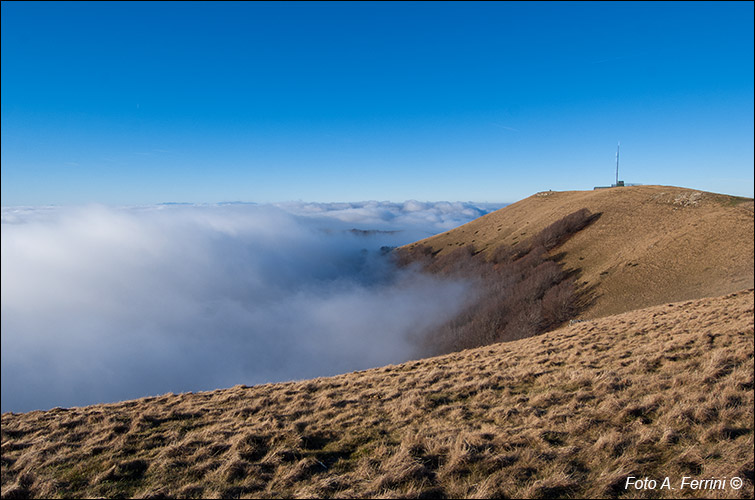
(651, 245)
(664, 391)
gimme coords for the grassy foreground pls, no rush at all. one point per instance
(661, 392)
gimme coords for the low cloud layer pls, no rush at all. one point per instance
(103, 304)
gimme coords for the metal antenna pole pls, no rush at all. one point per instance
(617, 163)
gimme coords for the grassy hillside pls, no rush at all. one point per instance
(650, 245)
(663, 391)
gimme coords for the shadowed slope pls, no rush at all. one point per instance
(651, 245)
(663, 391)
(520, 292)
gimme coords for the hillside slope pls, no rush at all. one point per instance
(651, 244)
(665, 391)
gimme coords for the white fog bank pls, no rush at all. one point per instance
(103, 304)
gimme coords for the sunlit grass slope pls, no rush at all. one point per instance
(651, 244)
(666, 391)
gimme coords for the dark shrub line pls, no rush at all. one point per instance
(522, 291)
(557, 233)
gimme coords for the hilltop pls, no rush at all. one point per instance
(650, 244)
(663, 391)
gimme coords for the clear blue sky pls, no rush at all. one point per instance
(130, 103)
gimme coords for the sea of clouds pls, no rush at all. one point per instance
(103, 304)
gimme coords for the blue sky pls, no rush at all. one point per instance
(132, 103)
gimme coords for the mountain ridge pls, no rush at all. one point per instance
(650, 245)
(665, 390)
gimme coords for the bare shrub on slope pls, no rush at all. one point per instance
(522, 291)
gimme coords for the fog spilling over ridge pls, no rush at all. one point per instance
(104, 304)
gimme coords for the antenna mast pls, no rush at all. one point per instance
(617, 163)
